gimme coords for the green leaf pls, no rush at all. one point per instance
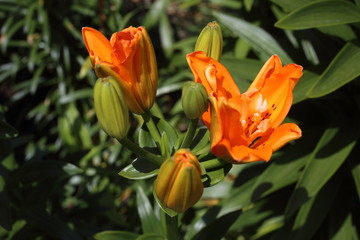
(331, 151)
(243, 71)
(261, 41)
(7, 131)
(320, 14)
(151, 236)
(345, 230)
(343, 69)
(149, 222)
(218, 228)
(201, 141)
(116, 235)
(355, 170)
(248, 4)
(215, 169)
(307, 81)
(286, 170)
(139, 169)
(152, 17)
(166, 35)
(314, 211)
(291, 5)
(145, 139)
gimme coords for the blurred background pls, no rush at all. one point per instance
(59, 172)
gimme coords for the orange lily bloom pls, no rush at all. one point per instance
(128, 57)
(246, 127)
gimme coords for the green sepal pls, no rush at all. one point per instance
(168, 211)
(139, 169)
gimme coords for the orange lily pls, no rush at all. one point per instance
(246, 127)
(129, 57)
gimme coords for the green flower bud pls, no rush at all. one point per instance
(210, 41)
(194, 99)
(178, 185)
(110, 107)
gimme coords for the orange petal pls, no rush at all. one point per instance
(282, 135)
(272, 66)
(97, 44)
(212, 74)
(241, 154)
(226, 121)
(278, 92)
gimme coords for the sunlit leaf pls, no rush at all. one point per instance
(261, 41)
(343, 69)
(331, 151)
(320, 14)
(149, 222)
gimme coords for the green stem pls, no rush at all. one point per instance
(141, 152)
(151, 126)
(189, 135)
(172, 231)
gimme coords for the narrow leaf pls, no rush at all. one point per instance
(149, 222)
(320, 14)
(343, 69)
(261, 41)
(115, 235)
(331, 151)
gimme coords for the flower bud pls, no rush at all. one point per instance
(210, 41)
(194, 99)
(110, 107)
(128, 57)
(178, 185)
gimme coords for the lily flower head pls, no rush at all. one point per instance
(247, 127)
(128, 57)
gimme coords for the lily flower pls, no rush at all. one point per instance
(128, 57)
(247, 127)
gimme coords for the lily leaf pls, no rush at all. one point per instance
(260, 40)
(331, 151)
(139, 169)
(116, 235)
(343, 69)
(151, 236)
(320, 14)
(149, 222)
(201, 141)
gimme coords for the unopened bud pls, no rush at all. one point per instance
(110, 107)
(210, 41)
(178, 185)
(194, 100)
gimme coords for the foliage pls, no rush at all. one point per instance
(59, 173)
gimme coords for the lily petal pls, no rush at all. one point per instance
(97, 45)
(242, 153)
(281, 136)
(212, 74)
(278, 91)
(272, 66)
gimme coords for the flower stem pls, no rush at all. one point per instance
(141, 152)
(172, 231)
(189, 135)
(152, 128)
